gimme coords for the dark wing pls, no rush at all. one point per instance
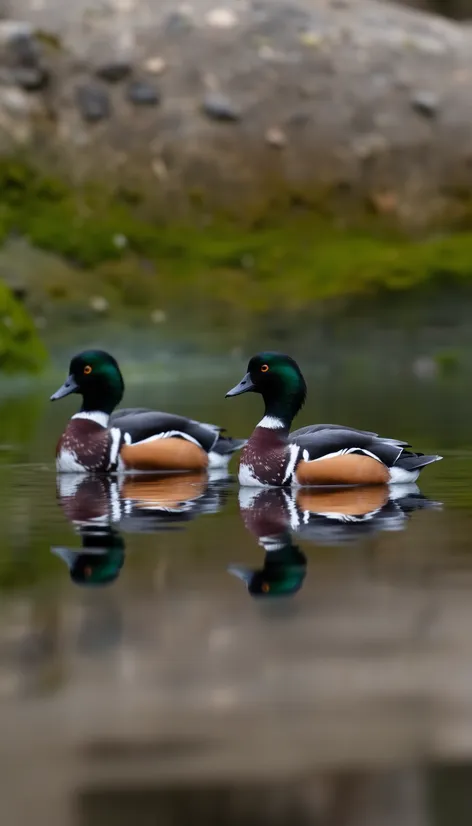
(141, 424)
(315, 428)
(319, 441)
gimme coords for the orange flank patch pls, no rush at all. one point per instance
(164, 454)
(167, 492)
(350, 501)
(351, 469)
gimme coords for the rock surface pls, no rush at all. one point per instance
(366, 98)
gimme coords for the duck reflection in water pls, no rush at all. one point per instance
(325, 517)
(101, 509)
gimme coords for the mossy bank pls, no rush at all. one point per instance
(21, 350)
(82, 254)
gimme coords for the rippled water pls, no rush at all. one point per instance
(173, 649)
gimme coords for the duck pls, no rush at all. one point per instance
(101, 439)
(321, 454)
(325, 517)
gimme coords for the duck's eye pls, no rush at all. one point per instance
(265, 587)
(87, 369)
(264, 368)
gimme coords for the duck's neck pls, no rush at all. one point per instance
(97, 416)
(103, 399)
(279, 414)
(273, 423)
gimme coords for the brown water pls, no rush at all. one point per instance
(141, 681)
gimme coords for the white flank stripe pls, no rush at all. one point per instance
(94, 416)
(168, 435)
(294, 451)
(272, 423)
(115, 434)
(344, 452)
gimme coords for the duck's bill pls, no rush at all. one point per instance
(244, 386)
(68, 555)
(240, 572)
(70, 386)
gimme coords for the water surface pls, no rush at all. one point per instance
(173, 650)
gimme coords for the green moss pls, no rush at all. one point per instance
(222, 269)
(20, 347)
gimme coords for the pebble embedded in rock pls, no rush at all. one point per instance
(114, 72)
(13, 29)
(143, 94)
(15, 100)
(24, 63)
(25, 51)
(221, 18)
(276, 138)
(426, 103)
(311, 39)
(179, 21)
(219, 107)
(370, 145)
(32, 79)
(155, 65)
(93, 102)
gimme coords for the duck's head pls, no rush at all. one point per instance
(99, 563)
(279, 380)
(95, 375)
(283, 573)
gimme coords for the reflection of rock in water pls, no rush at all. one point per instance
(102, 627)
(393, 797)
(215, 806)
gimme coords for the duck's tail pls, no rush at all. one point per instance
(408, 466)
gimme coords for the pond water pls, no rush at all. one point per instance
(175, 650)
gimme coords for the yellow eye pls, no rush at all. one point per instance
(87, 369)
(265, 587)
(264, 368)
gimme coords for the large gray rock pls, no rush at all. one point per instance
(372, 100)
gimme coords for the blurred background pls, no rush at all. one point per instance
(186, 184)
